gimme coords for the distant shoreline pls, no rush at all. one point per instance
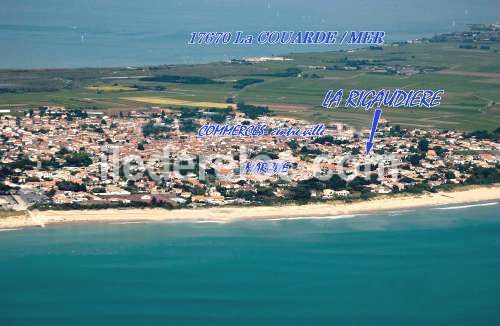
(468, 195)
(287, 51)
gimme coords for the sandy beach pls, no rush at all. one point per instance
(226, 214)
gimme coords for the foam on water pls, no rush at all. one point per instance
(467, 206)
(211, 221)
(333, 217)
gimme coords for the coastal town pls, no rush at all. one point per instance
(57, 157)
(249, 162)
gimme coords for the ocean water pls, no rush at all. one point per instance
(422, 267)
(83, 33)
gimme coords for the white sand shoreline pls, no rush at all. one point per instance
(468, 195)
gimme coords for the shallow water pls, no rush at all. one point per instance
(432, 267)
(77, 33)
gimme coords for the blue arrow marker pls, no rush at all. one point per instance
(369, 144)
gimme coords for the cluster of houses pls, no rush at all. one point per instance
(481, 34)
(54, 156)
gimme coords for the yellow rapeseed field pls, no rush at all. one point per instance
(176, 102)
(111, 88)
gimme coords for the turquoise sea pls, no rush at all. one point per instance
(421, 267)
(96, 33)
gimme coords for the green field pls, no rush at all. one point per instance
(470, 78)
